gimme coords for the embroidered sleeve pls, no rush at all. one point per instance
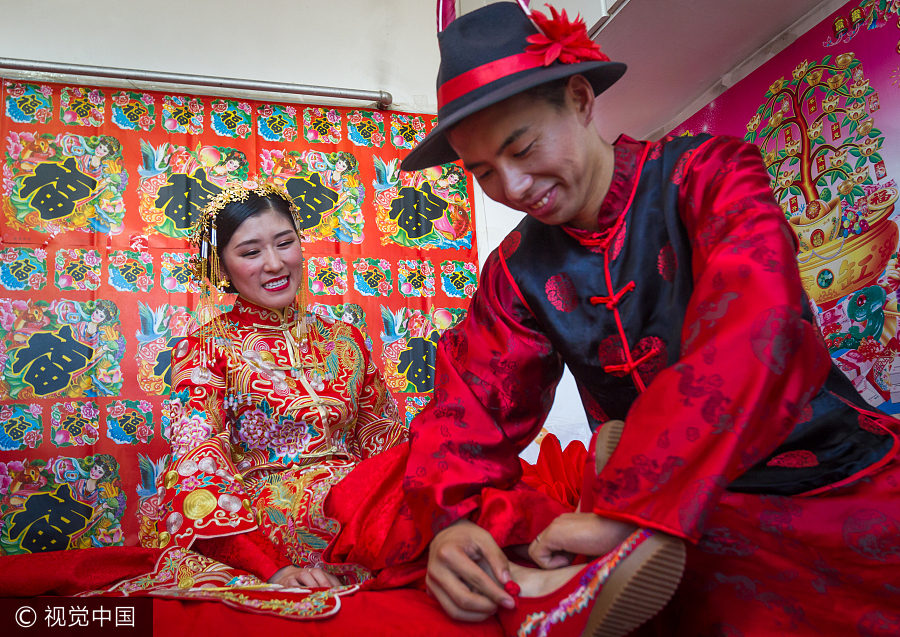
(198, 391)
(749, 360)
(495, 376)
(378, 424)
(203, 492)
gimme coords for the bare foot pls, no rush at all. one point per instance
(536, 582)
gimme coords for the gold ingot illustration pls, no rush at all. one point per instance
(171, 479)
(198, 504)
(163, 539)
(851, 265)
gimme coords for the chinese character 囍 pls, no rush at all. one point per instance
(49, 520)
(416, 210)
(49, 360)
(57, 188)
(184, 196)
(312, 198)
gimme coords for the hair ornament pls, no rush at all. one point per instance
(562, 39)
(204, 266)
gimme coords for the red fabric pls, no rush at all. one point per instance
(382, 613)
(378, 531)
(252, 552)
(494, 384)
(769, 565)
(72, 571)
(728, 208)
(394, 613)
(557, 473)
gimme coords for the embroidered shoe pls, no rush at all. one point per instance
(609, 597)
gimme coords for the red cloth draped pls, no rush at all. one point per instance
(758, 564)
(393, 613)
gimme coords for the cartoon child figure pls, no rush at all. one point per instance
(228, 166)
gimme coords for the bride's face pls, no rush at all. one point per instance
(264, 260)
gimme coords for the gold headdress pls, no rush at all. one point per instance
(210, 277)
(204, 265)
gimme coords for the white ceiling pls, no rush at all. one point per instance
(681, 54)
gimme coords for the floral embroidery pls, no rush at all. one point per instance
(794, 459)
(667, 262)
(561, 292)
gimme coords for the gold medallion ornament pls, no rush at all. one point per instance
(198, 504)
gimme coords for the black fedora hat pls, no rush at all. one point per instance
(486, 57)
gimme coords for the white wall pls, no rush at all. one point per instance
(358, 44)
(388, 45)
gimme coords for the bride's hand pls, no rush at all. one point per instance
(304, 577)
(573, 534)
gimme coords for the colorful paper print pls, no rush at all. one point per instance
(133, 111)
(23, 268)
(407, 131)
(327, 275)
(130, 271)
(74, 423)
(415, 277)
(60, 349)
(174, 275)
(409, 339)
(20, 426)
(182, 114)
(326, 189)
(161, 327)
(366, 128)
(414, 405)
(231, 118)
(129, 422)
(321, 125)
(458, 279)
(276, 123)
(61, 503)
(53, 183)
(81, 106)
(372, 277)
(29, 103)
(77, 269)
(425, 209)
(177, 183)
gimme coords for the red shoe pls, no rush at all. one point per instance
(609, 597)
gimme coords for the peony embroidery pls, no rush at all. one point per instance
(794, 459)
(561, 292)
(667, 262)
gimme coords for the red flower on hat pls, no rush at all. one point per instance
(562, 39)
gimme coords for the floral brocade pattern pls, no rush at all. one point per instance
(258, 443)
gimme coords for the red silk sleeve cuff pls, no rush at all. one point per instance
(251, 552)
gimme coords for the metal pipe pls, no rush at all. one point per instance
(382, 99)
